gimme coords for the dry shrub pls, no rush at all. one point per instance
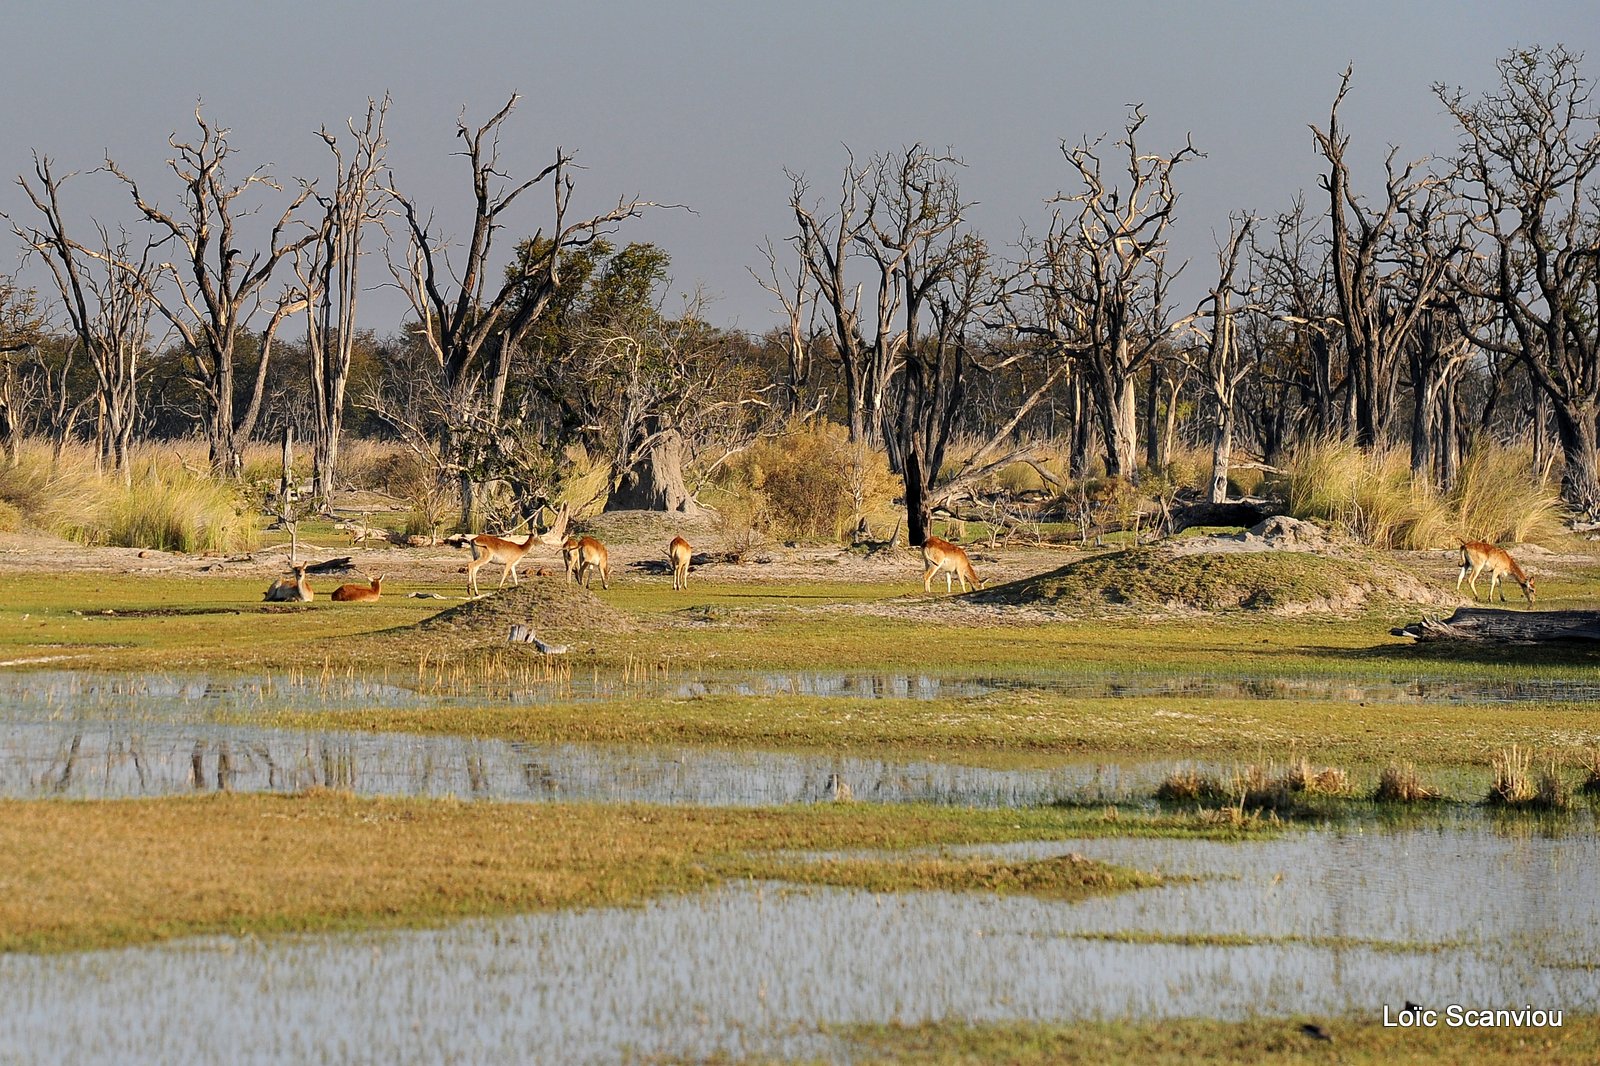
(810, 481)
(1328, 781)
(1401, 783)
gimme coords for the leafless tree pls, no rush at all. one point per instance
(1379, 306)
(464, 317)
(106, 289)
(833, 246)
(1529, 152)
(21, 327)
(218, 284)
(329, 271)
(797, 297)
(1219, 363)
(1099, 278)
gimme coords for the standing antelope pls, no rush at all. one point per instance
(679, 553)
(359, 593)
(942, 555)
(584, 556)
(285, 590)
(487, 549)
(1476, 556)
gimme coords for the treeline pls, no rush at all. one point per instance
(1426, 307)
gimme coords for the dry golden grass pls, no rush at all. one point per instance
(95, 873)
(1401, 783)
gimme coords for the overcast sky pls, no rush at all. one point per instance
(705, 104)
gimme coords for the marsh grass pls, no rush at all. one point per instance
(85, 874)
(1514, 784)
(1591, 772)
(1065, 877)
(1358, 1041)
(1253, 787)
(1399, 782)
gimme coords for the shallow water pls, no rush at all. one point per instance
(757, 968)
(49, 693)
(106, 760)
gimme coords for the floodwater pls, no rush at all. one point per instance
(1476, 911)
(1341, 922)
(100, 760)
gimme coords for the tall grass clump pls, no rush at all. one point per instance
(1372, 497)
(810, 481)
(1497, 499)
(176, 511)
(1401, 783)
(1514, 785)
(168, 506)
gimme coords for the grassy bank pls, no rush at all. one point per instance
(77, 875)
(1362, 1041)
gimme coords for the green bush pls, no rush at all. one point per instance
(810, 481)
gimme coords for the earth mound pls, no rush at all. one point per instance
(559, 611)
(1280, 582)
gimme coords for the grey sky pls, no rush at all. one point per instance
(705, 104)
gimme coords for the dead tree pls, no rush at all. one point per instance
(1099, 278)
(218, 284)
(1529, 152)
(831, 246)
(1221, 368)
(329, 271)
(797, 297)
(107, 290)
(21, 327)
(472, 326)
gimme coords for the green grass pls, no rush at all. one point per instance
(89, 874)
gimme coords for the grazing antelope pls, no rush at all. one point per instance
(285, 590)
(679, 553)
(942, 555)
(359, 593)
(1476, 556)
(584, 556)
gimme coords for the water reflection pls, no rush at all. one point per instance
(101, 760)
(51, 693)
(753, 970)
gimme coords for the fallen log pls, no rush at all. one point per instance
(522, 634)
(1508, 627)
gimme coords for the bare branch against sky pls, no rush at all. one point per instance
(706, 104)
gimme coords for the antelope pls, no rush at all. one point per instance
(679, 553)
(942, 555)
(285, 590)
(359, 593)
(1476, 556)
(488, 549)
(584, 556)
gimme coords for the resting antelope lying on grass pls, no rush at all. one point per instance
(1477, 556)
(359, 593)
(290, 590)
(942, 555)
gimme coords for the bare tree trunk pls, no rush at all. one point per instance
(655, 482)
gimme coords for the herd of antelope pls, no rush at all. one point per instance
(585, 558)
